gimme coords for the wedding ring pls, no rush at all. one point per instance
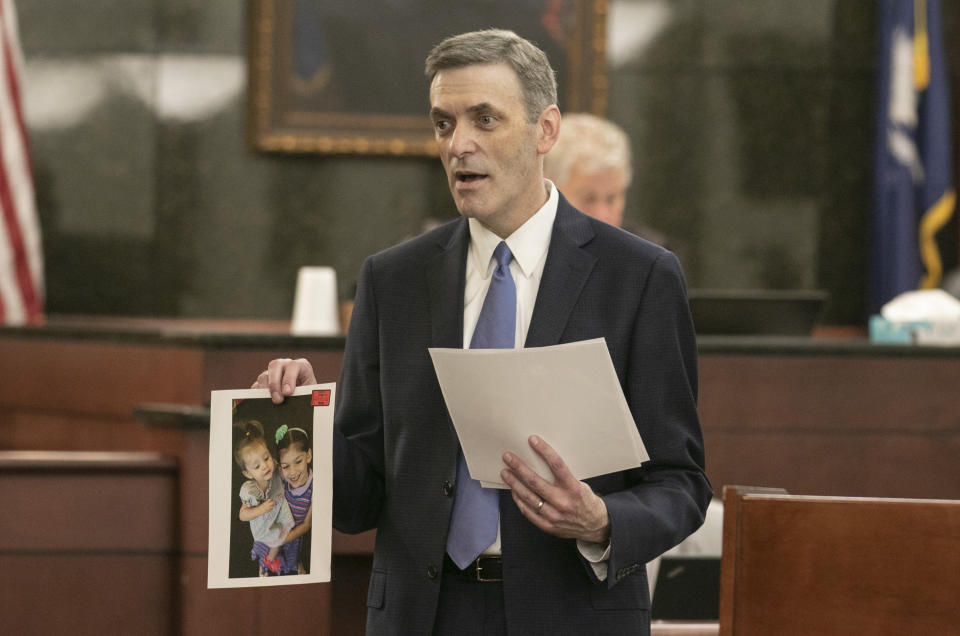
(539, 506)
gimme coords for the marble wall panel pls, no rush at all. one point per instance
(201, 26)
(751, 124)
(62, 27)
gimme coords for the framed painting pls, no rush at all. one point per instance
(338, 77)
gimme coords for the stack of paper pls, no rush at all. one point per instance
(567, 394)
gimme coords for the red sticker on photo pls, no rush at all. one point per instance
(320, 397)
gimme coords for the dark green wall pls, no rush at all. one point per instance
(752, 127)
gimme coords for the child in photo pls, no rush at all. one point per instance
(296, 458)
(264, 503)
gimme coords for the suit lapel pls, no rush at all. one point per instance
(446, 274)
(446, 277)
(564, 275)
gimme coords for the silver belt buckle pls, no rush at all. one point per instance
(479, 573)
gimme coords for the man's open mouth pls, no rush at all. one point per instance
(467, 177)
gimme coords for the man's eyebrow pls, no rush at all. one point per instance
(437, 113)
(482, 107)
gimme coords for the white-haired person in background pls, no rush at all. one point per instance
(591, 165)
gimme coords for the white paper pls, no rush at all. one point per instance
(309, 408)
(922, 304)
(567, 394)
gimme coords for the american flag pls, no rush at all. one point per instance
(21, 255)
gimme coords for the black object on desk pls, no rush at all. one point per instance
(754, 312)
(687, 589)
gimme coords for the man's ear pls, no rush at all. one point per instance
(548, 129)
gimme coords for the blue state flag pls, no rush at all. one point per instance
(914, 193)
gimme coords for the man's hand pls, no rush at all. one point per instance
(283, 375)
(566, 508)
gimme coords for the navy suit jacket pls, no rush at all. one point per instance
(395, 448)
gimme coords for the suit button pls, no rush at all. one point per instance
(447, 488)
(432, 571)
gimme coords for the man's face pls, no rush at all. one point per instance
(491, 153)
(602, 194)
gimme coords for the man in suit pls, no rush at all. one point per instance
(566, 557)
(591, 164)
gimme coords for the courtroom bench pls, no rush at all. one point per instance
(89, 543)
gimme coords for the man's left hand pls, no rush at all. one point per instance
(567, 508)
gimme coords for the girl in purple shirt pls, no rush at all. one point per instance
(296, 457)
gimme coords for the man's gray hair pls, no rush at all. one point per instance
(498, 46)
(592, 143)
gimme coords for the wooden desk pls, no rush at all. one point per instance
(831, 416)
(824, 416)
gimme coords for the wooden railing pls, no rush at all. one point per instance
(838, 565)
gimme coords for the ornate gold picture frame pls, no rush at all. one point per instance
(342, 77)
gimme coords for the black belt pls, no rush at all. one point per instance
(486, 569)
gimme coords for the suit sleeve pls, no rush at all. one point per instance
(665, 500)
(358, 458)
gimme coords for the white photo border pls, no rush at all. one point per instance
(221, 490)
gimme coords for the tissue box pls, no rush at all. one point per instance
(922, 332)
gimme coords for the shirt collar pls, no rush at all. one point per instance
(528, 243)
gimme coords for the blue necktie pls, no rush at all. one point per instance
(476, 510)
